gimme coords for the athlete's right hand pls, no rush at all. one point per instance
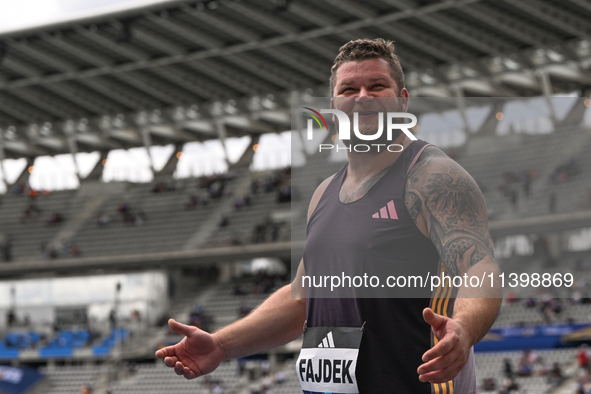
(198, 353)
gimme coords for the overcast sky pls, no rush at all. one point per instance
(22, 14)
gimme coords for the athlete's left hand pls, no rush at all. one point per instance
(445, 360)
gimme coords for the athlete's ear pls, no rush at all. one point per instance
(334, 117)
(404, 98)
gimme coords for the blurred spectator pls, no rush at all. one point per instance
(224, 222)
(279, 377)
(123, 208)
(489, 384)
(195, 201)
(75, 250)
(284, 193)
(583, 357)
(525, 364)
(244, 309)
(54, 218)
(11, 318)
(102, 220)
(31, 212)
(564, 172)
(200, 319)
(162, 187)
(555, 376)
(18, 190)
(86, 389)
(217, 388)
(242, 202)
(5, 247)
(240, 290)
(507, 368)
(511, 297)
(542, 368)
(509, 386)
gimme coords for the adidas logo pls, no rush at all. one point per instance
(327, 341)
(387, 212)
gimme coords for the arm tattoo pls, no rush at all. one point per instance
(413, 204)
(362, 190)
(456, 210)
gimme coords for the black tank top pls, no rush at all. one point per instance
(356, 238)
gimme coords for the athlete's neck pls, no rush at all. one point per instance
(363, 166)
(365, 170)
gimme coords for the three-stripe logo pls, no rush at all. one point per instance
(327, 341)
(386, 212)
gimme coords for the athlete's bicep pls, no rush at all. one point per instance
(452, 206)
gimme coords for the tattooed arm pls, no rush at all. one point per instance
(448, 207)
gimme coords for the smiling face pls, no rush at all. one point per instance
(368, 88)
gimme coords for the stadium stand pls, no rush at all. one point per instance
(196, 70)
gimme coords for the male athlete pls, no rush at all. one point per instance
(407, 345)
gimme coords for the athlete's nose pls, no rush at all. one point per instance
(364, 95)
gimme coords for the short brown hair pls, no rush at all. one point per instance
(367, 48)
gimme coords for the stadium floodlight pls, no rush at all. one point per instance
(33, 130)
(119, 121)
(10, 133)
(156, 116)
(105, 123)
(46, 129)
(178, 114)
(141, 119)
(82, 125)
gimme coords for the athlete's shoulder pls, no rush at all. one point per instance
(318, 194)
(433, 162)
(430, 156)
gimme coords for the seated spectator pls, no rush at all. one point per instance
(242, 202)
(200, 319)
(54, 218)
(524, 370)
(279, 377)
(583, 357)
(18, 190)
(244, 309)
(542, 368)
(510, 298)
(86, 389)
(102, 220)
(5, 247)
(509, 386)
(31, 212)
(240, 290)
(284, 194)
(75, 250)
(195, 201)
(555, 376)
(224, 222)
(123, 208)
(489, 384)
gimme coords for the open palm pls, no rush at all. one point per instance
(197, 354)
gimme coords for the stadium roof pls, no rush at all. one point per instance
(193, 70)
